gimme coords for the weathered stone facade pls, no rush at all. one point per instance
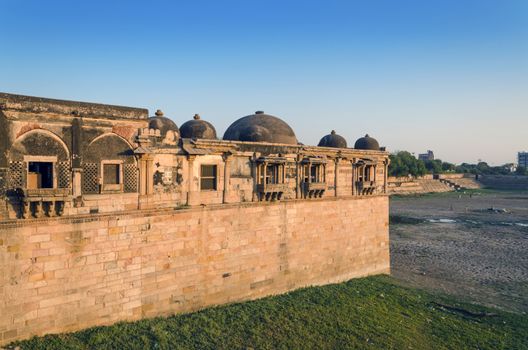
(103, 218)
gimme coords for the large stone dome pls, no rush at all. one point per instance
(163, 124)
(367, 143)
(198, 129)
(333, 140)
(260, 127)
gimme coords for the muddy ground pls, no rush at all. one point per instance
(471, 245)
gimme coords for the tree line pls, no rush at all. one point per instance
(404, 163)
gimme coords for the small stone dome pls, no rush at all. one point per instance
(163, 124)
(260, 127)
(197, 128)
(367, 142)
(333, 140)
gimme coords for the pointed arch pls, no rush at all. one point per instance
(111, 134)
(110, 146)
(110, 165)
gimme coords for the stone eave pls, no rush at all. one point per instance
(206, 146)
(322, 150)
(345, 152)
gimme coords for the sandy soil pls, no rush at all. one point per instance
(457, 244)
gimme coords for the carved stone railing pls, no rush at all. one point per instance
(314, 189)
(46, 192)
(366, 187)
(271, 192)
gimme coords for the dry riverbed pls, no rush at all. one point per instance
(472, 245)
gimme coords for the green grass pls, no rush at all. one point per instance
(370, 313)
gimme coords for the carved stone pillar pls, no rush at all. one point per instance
(146, 175)
(76, 182)
(191, 191)
(264, 175)
(227, 174)
(150, 174)
(255, 173)
(385, 176)
(336, 176)
(354, 176)
(298, 181)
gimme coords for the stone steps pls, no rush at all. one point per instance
(467, 183)
(405, 187)
(419, 186)
(450, 183)
(462, 183)
(435, 186)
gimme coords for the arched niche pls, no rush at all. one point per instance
(109, 166)
(39, 159)
(39, 142)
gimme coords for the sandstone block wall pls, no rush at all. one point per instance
(64, 274)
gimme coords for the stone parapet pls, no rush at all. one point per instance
(33, 104)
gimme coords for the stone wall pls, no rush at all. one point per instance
(455, 176)
(64, 274)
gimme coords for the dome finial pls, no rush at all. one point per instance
(197, 128)
(259, 112)
(367, 143)
(333, 140)
(159, 113)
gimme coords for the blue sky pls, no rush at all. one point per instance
(451, 76)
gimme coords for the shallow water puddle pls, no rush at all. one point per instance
(475, 222)
(442, 221)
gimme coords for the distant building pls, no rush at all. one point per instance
(522, 159)
(426, 156)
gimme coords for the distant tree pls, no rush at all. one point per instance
(404, 164)
(433, 166)
(521, 171)
(504, 169)
(483, 168)
(467, 168)
(448, 167)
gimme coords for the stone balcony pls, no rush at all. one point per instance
(43, 201)
(366, 187)
(271, 192)
(314, 189)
